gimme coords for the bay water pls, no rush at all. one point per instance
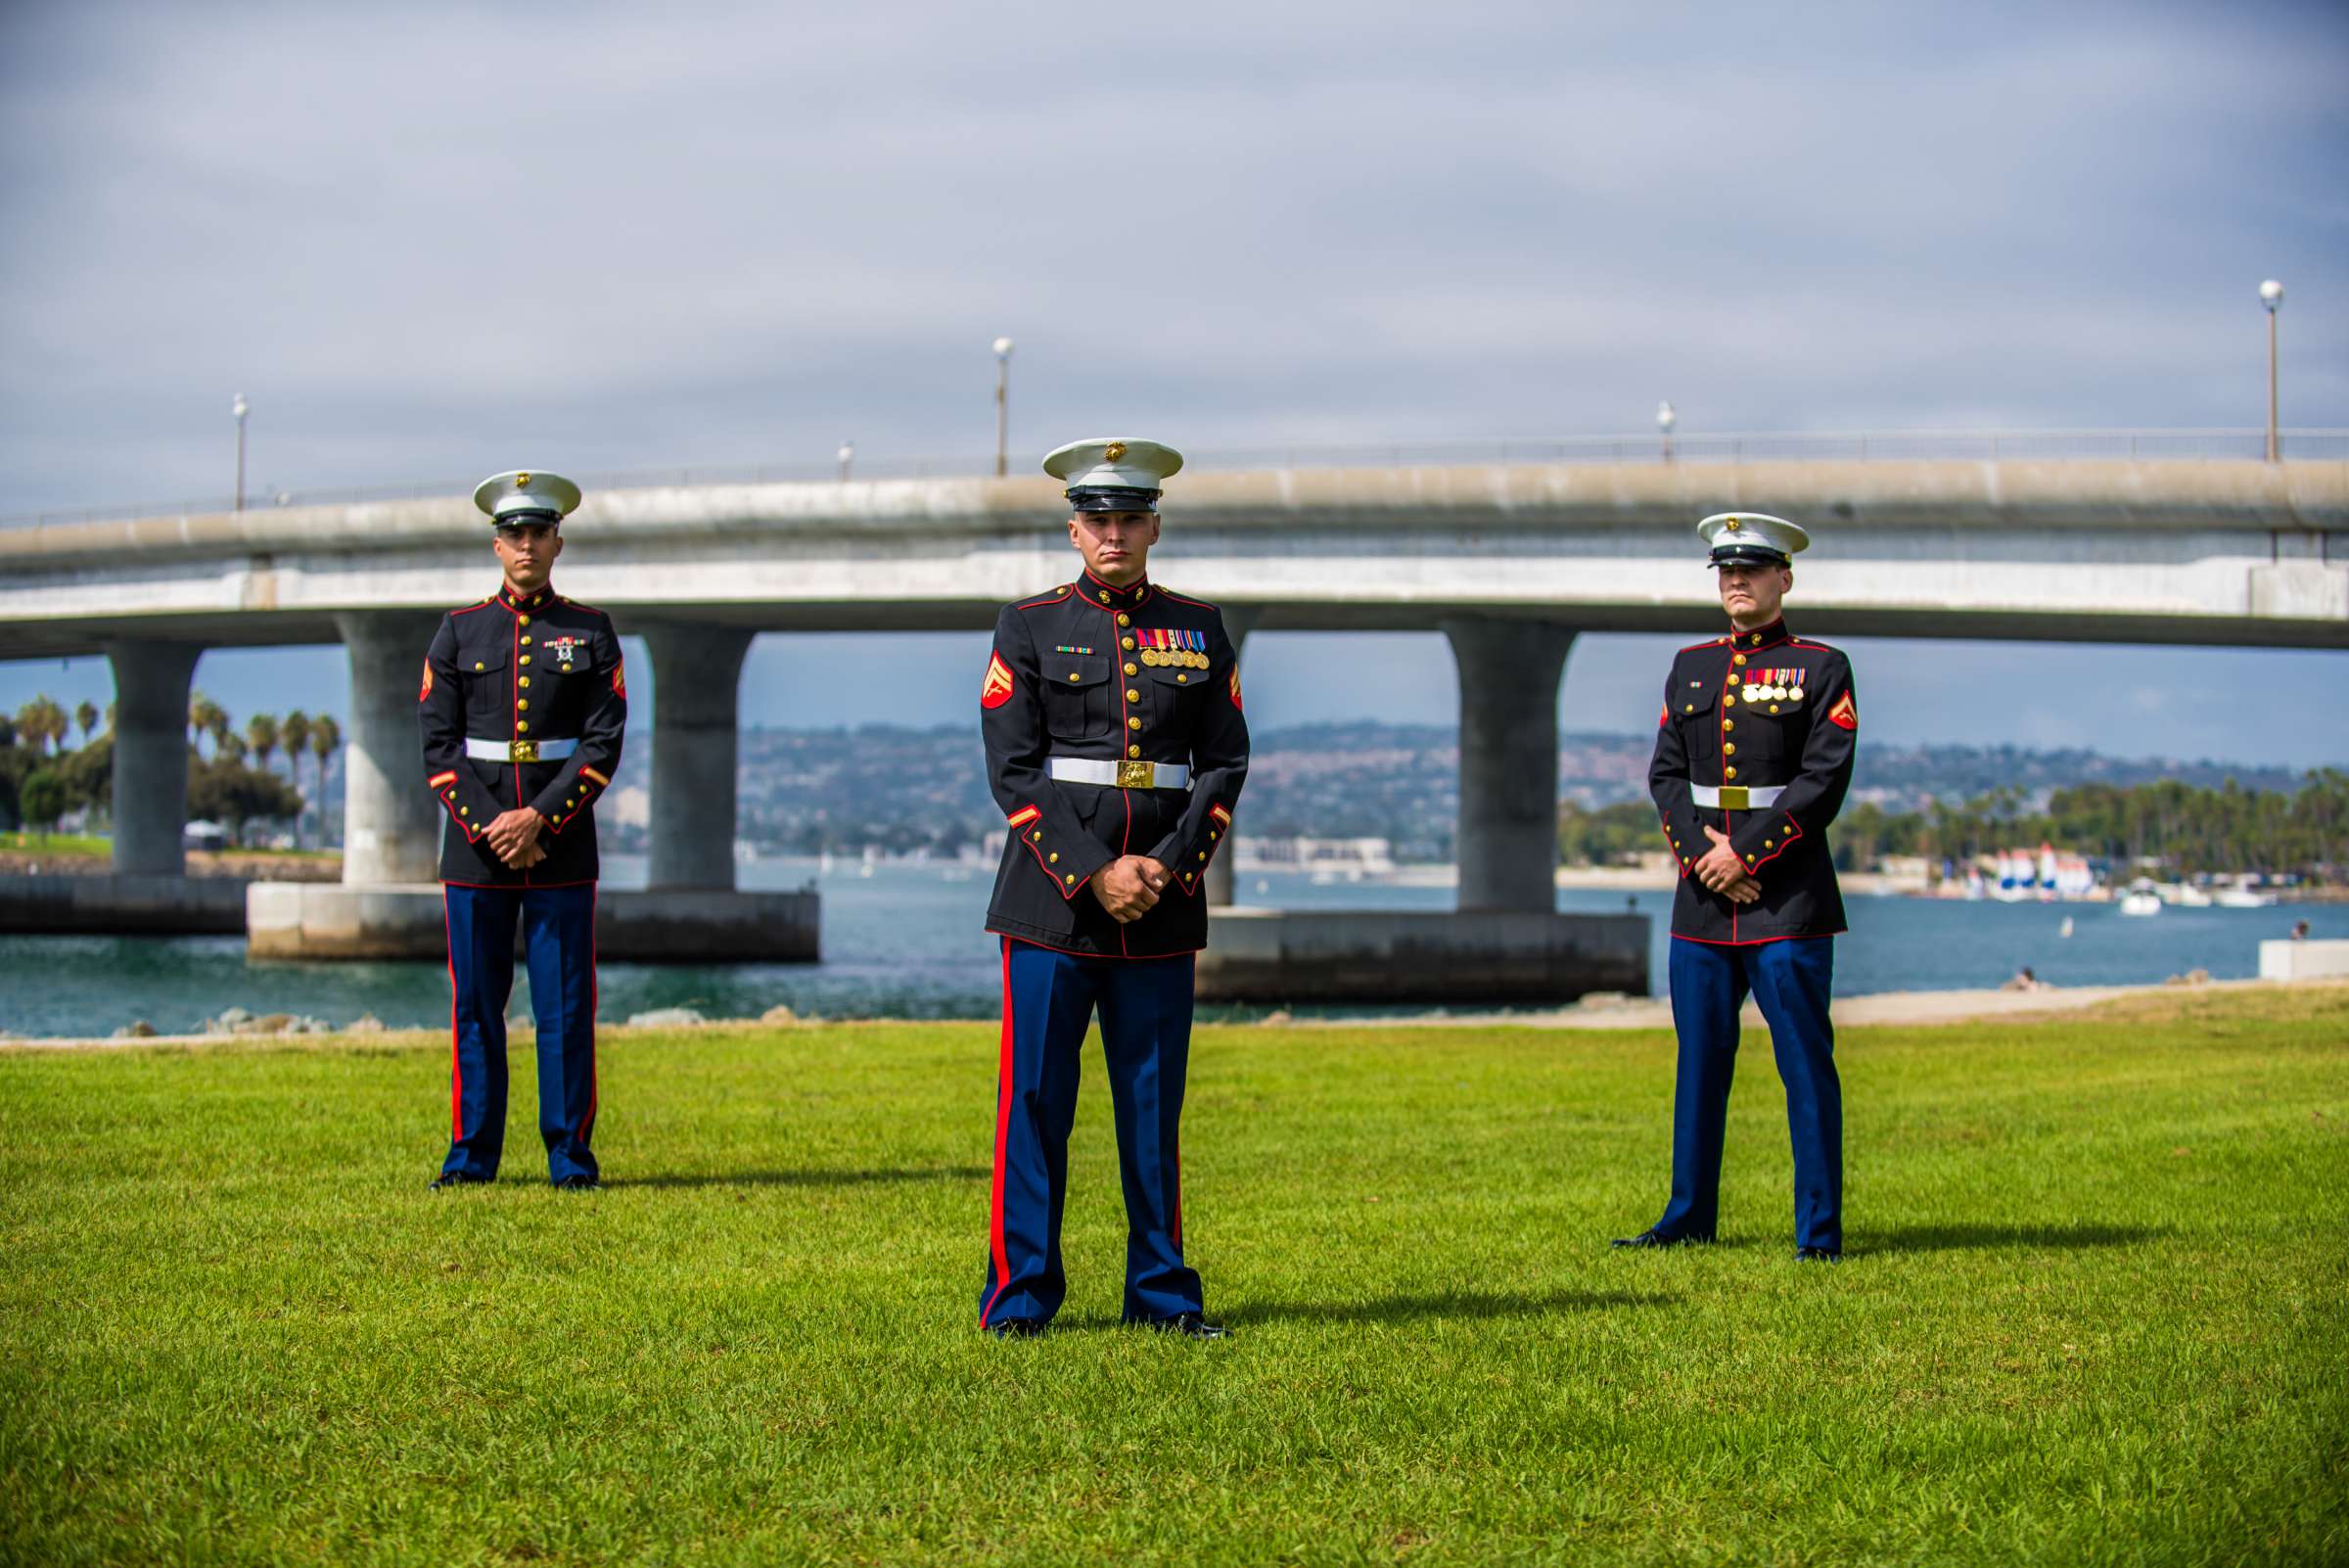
(903, 939)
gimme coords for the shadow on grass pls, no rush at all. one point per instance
(804, 1178)
(2018, 1238)
(1468, 1304)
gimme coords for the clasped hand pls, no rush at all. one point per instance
(1129, 887)
(1719, 869)
(513, 837)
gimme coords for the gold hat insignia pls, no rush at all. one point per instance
(1114, 450)
(521, 482)
(1733, 524)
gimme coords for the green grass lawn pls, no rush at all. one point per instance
(2093, 1310)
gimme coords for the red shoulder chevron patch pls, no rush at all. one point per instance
(997, 691)
(1844, 714)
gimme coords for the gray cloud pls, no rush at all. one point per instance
(424, 238)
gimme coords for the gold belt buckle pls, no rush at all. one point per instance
(1734, 798)
(1133, 775)
(527, 750)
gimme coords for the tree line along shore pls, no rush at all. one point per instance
(270, 783)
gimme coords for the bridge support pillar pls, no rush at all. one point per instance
(696, 679)
(391, 823)
(1237, 624)
(1508, 829)
(151, 754)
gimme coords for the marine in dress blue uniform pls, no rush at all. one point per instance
(1754, 753)
(1116, 745)
(521, 708)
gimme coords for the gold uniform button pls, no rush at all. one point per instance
(1689, 708)
(1728, 723)
(1037, 837)
(1183, 680)
(1202, 855)
(1132, 696)
(1738, 660)
(1053, 858)
(523, 703)
(1729, 772)
(1128, 645)
(1133, 669)
(526, 620)
(464, 811)
(478, 665)
(526, 682)
(526, 659)
(1074, 675)
(1070, 879)
(1728, 747)
(1125, 620)
(1133, 724)
(1105, 598)
(1733, 680)
(1133, 751)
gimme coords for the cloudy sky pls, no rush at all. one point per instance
(433, 242)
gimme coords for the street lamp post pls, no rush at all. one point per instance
(1002, 406)
(2271, 294)
(240, 408)
(1665, 420)
(847, 455)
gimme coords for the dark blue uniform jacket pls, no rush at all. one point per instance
(1732, 719)
(531, 669)
(1135, 674)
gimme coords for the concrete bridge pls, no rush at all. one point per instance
(1509, 560)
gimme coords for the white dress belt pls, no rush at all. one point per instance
(522, 751)
(1124, 775)
(1736, 796)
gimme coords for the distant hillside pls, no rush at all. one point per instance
(904, 789)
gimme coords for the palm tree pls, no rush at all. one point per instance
(87, 715)
(295, 731)
(42, 721)
(205, 718)
(325, 737)
(261, 733)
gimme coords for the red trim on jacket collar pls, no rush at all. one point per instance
(1769, 636)
(1107, 595)
(542, 600)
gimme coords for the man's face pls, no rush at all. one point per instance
(527, 551)
(1116, 545)
(1752, 594)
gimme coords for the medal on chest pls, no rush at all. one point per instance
(566, 651)
(1171, 648)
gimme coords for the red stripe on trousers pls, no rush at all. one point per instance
(587, 1124)
(457, 1059)
(1002, 1147)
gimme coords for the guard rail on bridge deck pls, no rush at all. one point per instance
(1734, 446)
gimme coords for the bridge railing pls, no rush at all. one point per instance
(2320, 445)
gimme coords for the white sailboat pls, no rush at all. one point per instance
(2141, 899)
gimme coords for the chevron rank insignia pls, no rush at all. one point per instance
(428, 681)
(997, 689)
(1844, 714)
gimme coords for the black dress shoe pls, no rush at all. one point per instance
(579, 1183)
(1817, 1255)
(442, 1183)
(1191, 1325)
(1017, 1328)
(1652, 1237)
